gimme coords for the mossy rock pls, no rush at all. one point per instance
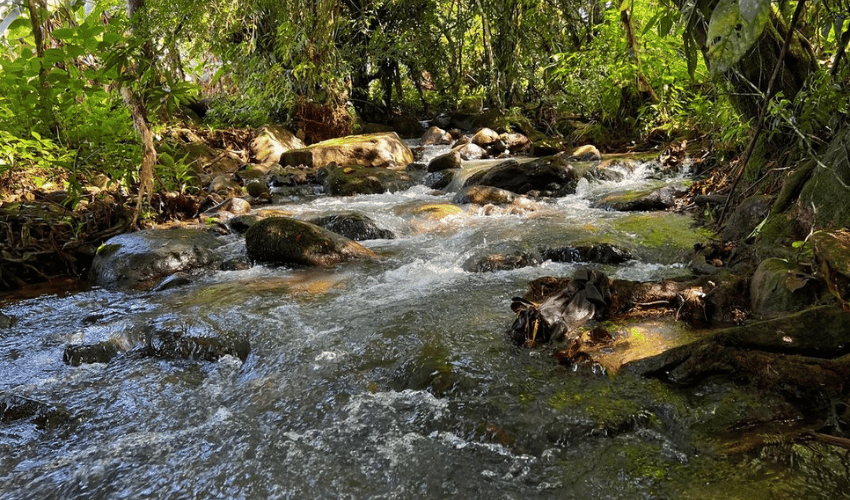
(551, 175)
(282, 240)
(355, 226)
(271, 142)
(828, 189)
(777, 288)
(833, 247)
(359, 179)
(140, 259)
(379, 150)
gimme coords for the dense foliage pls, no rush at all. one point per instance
(647, 69)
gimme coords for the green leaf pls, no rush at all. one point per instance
(53, 56)
(734, 28)
(62, 33)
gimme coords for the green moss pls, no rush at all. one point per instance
(107, 250)
(653, 237)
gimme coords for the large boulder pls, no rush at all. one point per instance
(282, 240)
(381, 150)
(271, 142)
(138, 260)
(357, 227)
(551, 175)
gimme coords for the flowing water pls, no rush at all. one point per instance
(387, 379)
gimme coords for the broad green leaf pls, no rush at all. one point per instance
(74, 51)
(734, 27)
(53, 56)
(62, 33)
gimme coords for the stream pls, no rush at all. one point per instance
(387, 379)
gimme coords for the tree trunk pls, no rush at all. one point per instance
(136, 105)
(642, 83)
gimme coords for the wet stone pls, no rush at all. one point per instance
(180, 345)
(14, 408)
(602, 253)
(357, 227)
(82, 354)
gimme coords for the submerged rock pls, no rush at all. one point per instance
(357, 227)
(14, 408)
(138, 260)
(6, 321)
(282, 240)
(82, 354)
(180, 345)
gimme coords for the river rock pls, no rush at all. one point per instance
(170, 344)
(747, 215)
(501, 262)
(14, 408)
(445, 161)
(641, 201)
(601, 253)
(381, 150)
(470, 151)
(358, 179)
(586, 153)
(833, 249)
(551, 175)
(83, 354)
(282, 240)
(138, 260)
(485, 137)
(515, 142)
(271, 142)
(435, 136)
(6, 321)
(482, 195)
(357, 227)
(778, 287)
(441, 179)
(224, 185)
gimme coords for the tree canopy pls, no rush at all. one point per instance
(646, 69)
